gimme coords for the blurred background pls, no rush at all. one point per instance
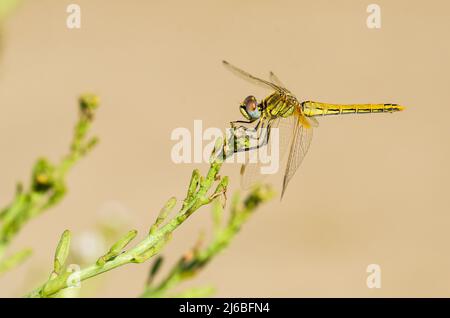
(372, 189)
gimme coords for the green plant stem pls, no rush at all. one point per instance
(48, 181)
(191, 263)
(197, 196)
(14, 260)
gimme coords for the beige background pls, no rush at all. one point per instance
(373, 189)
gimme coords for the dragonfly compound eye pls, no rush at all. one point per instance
(250, 105)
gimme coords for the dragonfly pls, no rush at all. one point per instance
(282, 109)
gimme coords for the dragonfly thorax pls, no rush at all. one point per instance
(279, 105)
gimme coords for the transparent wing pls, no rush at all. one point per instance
(313, 122)
(251, 169)
(251, 175)
(275, 80)
(302, 136)
(248, 77)
(279, 140)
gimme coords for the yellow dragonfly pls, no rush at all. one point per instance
(282, 109)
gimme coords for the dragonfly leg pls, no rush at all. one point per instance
(245, 128)
(233, 123)
(251, 133)
(263, 143)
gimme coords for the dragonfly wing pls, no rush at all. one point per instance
(251, 170)
(302, 136)
(248, 77)
(251, 174)
(313, 122)
(275, 80)
(285, 127)
(280, 137)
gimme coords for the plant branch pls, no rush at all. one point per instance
(48, 181)
(199, 193)
(197, 258)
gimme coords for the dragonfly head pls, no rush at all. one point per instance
(249, 108)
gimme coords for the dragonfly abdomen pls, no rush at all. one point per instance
(311, 108)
